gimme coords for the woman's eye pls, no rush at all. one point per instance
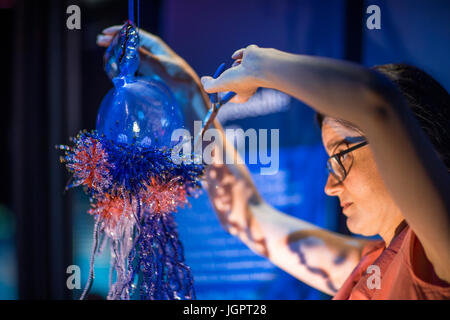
(344, 157)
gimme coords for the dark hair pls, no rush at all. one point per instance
(428, 100)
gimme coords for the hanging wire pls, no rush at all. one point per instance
(131, 10)
(137, 15)
(131, 16)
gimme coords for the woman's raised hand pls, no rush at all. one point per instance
(244, 77)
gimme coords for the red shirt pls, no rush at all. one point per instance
(403, 271)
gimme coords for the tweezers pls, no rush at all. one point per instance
(216, 104)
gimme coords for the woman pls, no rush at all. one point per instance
(389, 178)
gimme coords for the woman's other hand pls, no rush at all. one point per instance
(158, 60)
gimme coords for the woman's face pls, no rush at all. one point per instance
(365, 200)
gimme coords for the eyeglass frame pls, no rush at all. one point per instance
(338, 156)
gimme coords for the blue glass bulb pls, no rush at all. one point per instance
(136, 110)
(139, 111)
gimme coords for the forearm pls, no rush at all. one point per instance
(336, 88)
(315, 256)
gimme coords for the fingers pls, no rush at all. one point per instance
(228, 81)
(112, 30)
(238, 54)
(231, 79)
(148, 41)
(222, 83)
(237, 62)
(104, 40)
(154, 44)
(241, 98)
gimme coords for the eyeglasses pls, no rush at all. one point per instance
(338, 162)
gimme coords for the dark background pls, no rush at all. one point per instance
(54, 83)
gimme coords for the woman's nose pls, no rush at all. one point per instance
(333, 187)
